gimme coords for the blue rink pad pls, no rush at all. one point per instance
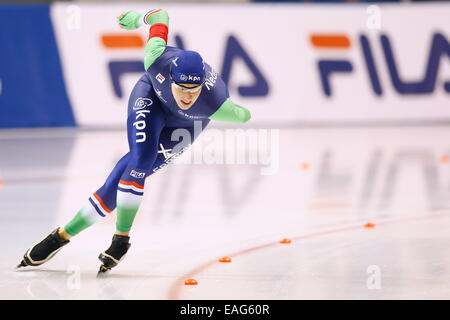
(32, 92)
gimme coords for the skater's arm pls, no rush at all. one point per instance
(159, 28)
(157, 39)
(230, 112)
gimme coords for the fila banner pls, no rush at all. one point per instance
(304, 64)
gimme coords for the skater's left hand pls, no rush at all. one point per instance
(129, 20)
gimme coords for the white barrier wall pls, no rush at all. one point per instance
(300, 63)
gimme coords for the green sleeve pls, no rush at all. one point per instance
(230, 112)
(155, 46)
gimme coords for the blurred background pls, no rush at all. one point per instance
(350, 114)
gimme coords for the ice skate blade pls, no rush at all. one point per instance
(21, 264)
(102, 271)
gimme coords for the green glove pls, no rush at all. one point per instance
(130, 20)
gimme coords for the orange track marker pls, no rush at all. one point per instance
(444, 159)
(369, 225)
(225, 259)
(285, 241)
(190, 282)
(304, 165)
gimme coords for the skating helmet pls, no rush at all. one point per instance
(187, 68)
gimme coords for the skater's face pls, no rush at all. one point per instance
(184, 96)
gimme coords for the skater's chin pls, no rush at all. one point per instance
(185, 105)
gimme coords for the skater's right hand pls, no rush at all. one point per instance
(129, 20)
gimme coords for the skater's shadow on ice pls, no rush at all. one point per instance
(51, 271)
(134, 276)
(131, 275)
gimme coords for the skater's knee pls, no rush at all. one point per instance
(143, 160)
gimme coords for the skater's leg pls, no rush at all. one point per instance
(146, 119)
(147, 158)
(87, 216)
(172, 141)
(102, 202)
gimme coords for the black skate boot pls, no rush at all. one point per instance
(115, 253)
(44, 250)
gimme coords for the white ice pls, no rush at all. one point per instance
(326, 183)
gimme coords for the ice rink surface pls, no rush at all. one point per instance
(318, 187)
